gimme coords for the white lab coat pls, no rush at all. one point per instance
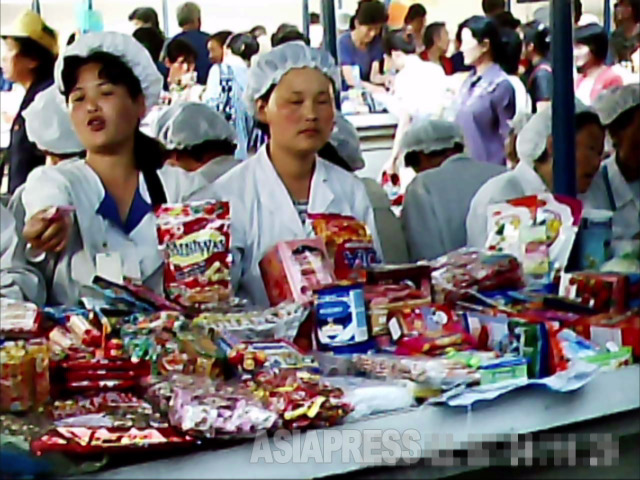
(263, 214)
(625, 203)
(216, 168)
(17, 279)
(75, 183)
(519, 182)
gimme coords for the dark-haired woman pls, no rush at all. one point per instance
(486, 100)
(109, 81)
(30, 50)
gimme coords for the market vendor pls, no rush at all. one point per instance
(291, 90)
(437, 200)
(617, 185)
(534, 173)
(109, 82)
(197, 139)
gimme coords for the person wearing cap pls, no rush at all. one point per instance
(197, 139)
(437, 200)
(190, 21)
(534, 174)
(291, 91)
(617, 185)
(94, 216)
(343, 150)
(31, 48)
(590, 54)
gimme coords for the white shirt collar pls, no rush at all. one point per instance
(621, 189)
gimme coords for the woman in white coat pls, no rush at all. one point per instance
(109, 82)
(534, 174)
(291, 90)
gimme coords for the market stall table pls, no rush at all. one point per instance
(524, 411)
(376, 132)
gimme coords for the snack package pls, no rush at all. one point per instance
(24, 375)
(196, 240)
(18, 319)
(418, 317)
(602, 292)
(612, 331)
(292, 270)
(348, 243)
(416, 276)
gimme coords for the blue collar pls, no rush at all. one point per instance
(108, 209)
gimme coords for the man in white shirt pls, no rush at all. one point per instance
(617, 185)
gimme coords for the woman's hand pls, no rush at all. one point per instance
(48, 230)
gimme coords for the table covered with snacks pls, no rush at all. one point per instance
(187, 382)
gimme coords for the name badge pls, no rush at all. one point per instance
(109, 266)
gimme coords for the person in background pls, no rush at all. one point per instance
(415, 22)
(343, 150)
(577, 12)
(29, 53)
(153, 41)
(590, 53)
(216, 48)
(260, 34)
(288, 33)
(109, 83)
(144, 17)
(539, 75)
(534, 174)
(617, 186)
(243, 46)
(486, 101)
(491, 8)
(316, 30)
(436, 45)
(197, 139)
(457, 59)
(180, 60)
(361, 52)
(512, 46)
(189, 20)
(437, 200)
(507, 20)
(625, 40)
(291, 90)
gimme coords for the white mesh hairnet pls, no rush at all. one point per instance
(186, 124)
(345, 140)
(532, 140)
(613, 102)
(269, 69)
(429, 135)
(48, 124)
(128, 49)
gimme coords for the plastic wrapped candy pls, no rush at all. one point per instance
(196, 239)
(24, 375)
(18, 319)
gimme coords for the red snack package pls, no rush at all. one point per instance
(196, 239)
(604, 292)
(416, 276)
(621, 330)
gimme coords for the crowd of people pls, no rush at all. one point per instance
(116, 124)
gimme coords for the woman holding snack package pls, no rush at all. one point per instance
(95, 216)
(291, 90)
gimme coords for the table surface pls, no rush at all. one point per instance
(372, 120)
(528, 410)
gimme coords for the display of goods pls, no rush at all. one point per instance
(601, 292)
(196, 240)
(18, 319)
(301, 400)
(349, 244)
(292, 270)
(24, 375)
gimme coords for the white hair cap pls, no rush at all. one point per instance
(346, 141)
(186, 124)
(123, 46)
(532, 140)
(430, 135)
(272, 66)
(48, 124)
(613, 102)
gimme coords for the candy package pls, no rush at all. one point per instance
(348, 242)
(24, 375)
(416, 276)
(292, 270)
(18, 319)
(196, 240)
(602, 292)
(612, 331)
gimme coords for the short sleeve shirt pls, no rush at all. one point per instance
(349, 54)
(540, 83)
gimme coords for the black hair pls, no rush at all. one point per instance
(331, 155)
(148, 152)
(635, 8)
(461, 27)
(595, 37)
(577, 10)
(258, 31)
(397, 41)
(622, 121)
(538, 35)
(512, 48)
(151, 39)
(288, 34)
(586, 118)
(507, 20)
(71, 39)
(177, 48)
(146, 15)
(491, 7)
(412, 158)
(29, 48)
(430, 34)
(243, 45)
(202, 150)
(314, 18)
(484, 28)
(221, 37)
(415, 12)
(371, 13)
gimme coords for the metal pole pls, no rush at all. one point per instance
(607, 15)
(89, 5)
(508, 5)
(35, 6)
(165, 17)
(305, 17)
(564, 130)
(329, 24)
